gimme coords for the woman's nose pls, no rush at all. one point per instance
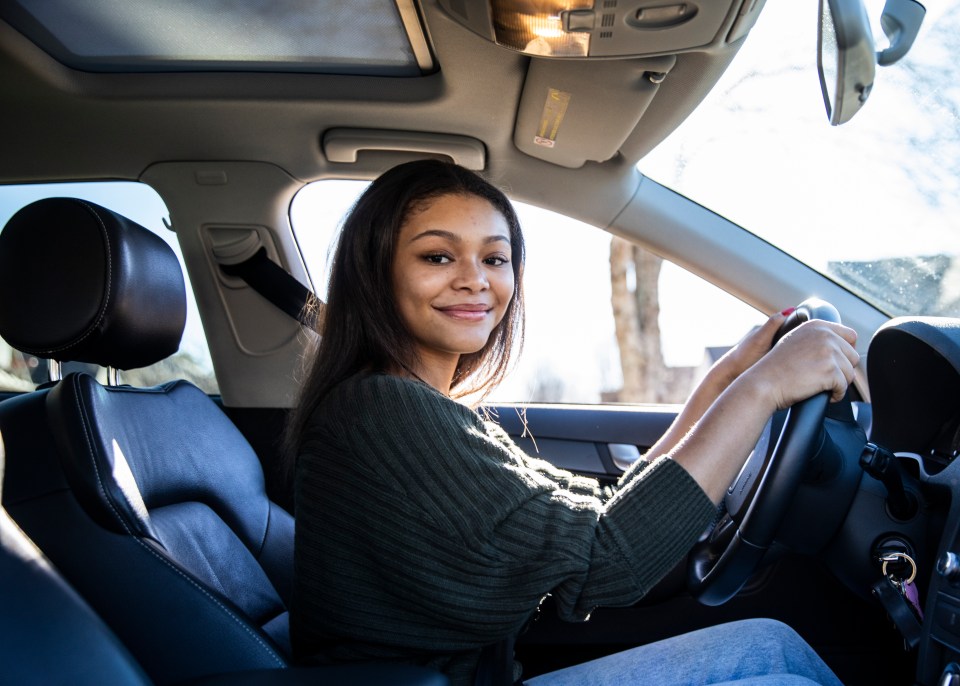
(471, 276)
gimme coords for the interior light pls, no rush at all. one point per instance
(605, 28)
(536, 27)
(545, 27)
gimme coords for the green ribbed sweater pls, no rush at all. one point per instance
(423, 533)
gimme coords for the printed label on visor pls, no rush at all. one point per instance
(554, 110)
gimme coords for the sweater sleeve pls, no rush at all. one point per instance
(514, 534)
(567, 480)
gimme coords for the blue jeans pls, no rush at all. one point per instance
(752, 652)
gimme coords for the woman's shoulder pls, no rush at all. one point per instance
(382, 396)
(383, 387)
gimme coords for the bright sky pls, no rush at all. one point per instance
(827, 193)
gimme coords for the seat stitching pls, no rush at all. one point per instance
(266, 532)
(237, 620)
(272, 653)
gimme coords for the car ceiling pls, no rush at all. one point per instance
(65, 124)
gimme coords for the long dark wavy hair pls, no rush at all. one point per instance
(360, 327)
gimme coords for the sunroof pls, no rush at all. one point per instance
(376, 37)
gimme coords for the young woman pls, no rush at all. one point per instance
(424, 534)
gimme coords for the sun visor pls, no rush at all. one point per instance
(576, 112)
(913, 368)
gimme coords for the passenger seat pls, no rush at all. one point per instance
(50, 635)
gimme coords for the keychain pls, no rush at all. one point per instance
(905, 586)
(898, 594)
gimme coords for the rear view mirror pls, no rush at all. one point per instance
(846, 58)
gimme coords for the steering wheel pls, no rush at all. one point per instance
(757, 501)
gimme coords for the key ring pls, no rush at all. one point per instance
(893, 557)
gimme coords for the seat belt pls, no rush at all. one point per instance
(274, 283)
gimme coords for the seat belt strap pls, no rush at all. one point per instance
(273, 282)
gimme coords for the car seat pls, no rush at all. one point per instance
(149, 500)
(50, 635)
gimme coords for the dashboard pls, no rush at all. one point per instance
(913, 367)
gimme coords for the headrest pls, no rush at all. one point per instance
(81, 283)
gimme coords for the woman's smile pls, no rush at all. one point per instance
(469, 312)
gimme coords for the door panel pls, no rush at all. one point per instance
(587, 439)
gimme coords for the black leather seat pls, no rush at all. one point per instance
(49, 634)
(149, 500)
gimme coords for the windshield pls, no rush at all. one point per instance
(875, 203)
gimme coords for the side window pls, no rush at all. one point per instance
(19, 372)
(607, 321)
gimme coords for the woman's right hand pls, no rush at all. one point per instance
(817, 356)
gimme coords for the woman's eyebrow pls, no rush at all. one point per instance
(451, 236)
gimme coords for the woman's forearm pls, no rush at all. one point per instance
(714, 449)
(713, 385)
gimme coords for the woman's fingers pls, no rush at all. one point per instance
(845, 369)
(816, 356)
(754, 345)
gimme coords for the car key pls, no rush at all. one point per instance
(912, 595)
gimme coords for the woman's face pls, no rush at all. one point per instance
(452, 277)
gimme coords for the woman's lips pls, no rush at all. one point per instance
(466, 312)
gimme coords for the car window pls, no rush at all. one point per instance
(574, 353)
(140, 203)
(872, 204)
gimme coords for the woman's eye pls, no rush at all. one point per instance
(497, 260)
(437, 258)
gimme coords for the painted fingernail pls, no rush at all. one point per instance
(787, 312)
